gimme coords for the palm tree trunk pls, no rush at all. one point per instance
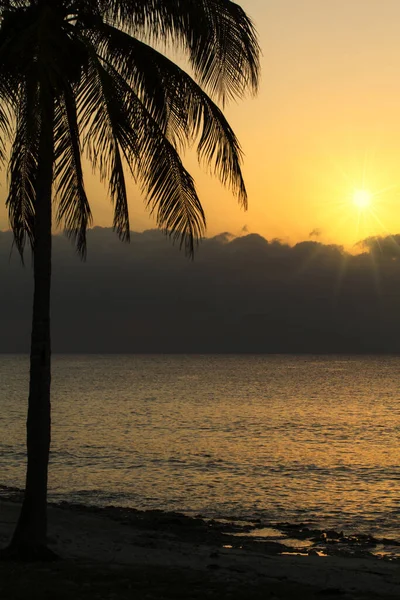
(30, 536)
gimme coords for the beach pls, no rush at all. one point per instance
(120, 553)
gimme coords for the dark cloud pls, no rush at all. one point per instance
(388, 247)
(240, 294)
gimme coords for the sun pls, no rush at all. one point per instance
(362, 199)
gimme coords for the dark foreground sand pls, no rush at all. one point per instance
(121, 554)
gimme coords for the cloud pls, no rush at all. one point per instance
(315, 233)
(388, 246)
(240, 294)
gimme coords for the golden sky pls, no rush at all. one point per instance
(325, 124)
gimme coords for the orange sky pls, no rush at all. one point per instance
(326, 122)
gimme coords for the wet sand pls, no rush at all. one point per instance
(122, 553)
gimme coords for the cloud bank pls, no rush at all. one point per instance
(241, 294)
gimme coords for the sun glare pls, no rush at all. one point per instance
(362, 199)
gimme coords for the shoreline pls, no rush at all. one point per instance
(188, 556)
(278, 537)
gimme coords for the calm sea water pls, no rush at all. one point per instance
(283, 438)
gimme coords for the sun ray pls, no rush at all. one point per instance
(340, 276)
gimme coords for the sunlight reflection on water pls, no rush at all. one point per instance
(282, 438)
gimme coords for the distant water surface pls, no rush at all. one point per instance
(284, 438)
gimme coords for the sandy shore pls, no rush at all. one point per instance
(115, 553)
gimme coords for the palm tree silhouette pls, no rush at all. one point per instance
(87, 76)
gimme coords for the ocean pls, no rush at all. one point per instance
(298, 439)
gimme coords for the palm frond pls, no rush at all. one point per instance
(219, 37)
(23, 168)
(153, 160)
(131, 105)
(73, 208)
(12, 81)
(105, 125)
(178, 104)
(6, 118)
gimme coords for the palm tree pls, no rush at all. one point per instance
(84, 76)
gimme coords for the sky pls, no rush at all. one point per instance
(325, 124)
